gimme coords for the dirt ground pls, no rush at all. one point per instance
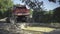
(8, 28)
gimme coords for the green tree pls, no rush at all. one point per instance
(38, 13)
(4, 5)
(35, 4)
(57, 14)
(54, 1)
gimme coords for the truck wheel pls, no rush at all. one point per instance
(8, 20)
(12, 20)
(27, 19)
(24, 19)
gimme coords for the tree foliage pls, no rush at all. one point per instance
(5, 5)
(54, 1)
(34, 4)
(39, 15)
(57, 14)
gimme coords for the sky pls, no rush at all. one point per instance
(47, 5)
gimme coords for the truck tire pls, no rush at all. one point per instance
(24, 19)
(8, 20)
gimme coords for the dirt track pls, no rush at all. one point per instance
(8, 28)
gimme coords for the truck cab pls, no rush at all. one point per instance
(19, 13)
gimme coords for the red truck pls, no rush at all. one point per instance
(19, 13)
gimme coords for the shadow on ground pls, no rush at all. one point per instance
(55, 32)
(2, 31)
